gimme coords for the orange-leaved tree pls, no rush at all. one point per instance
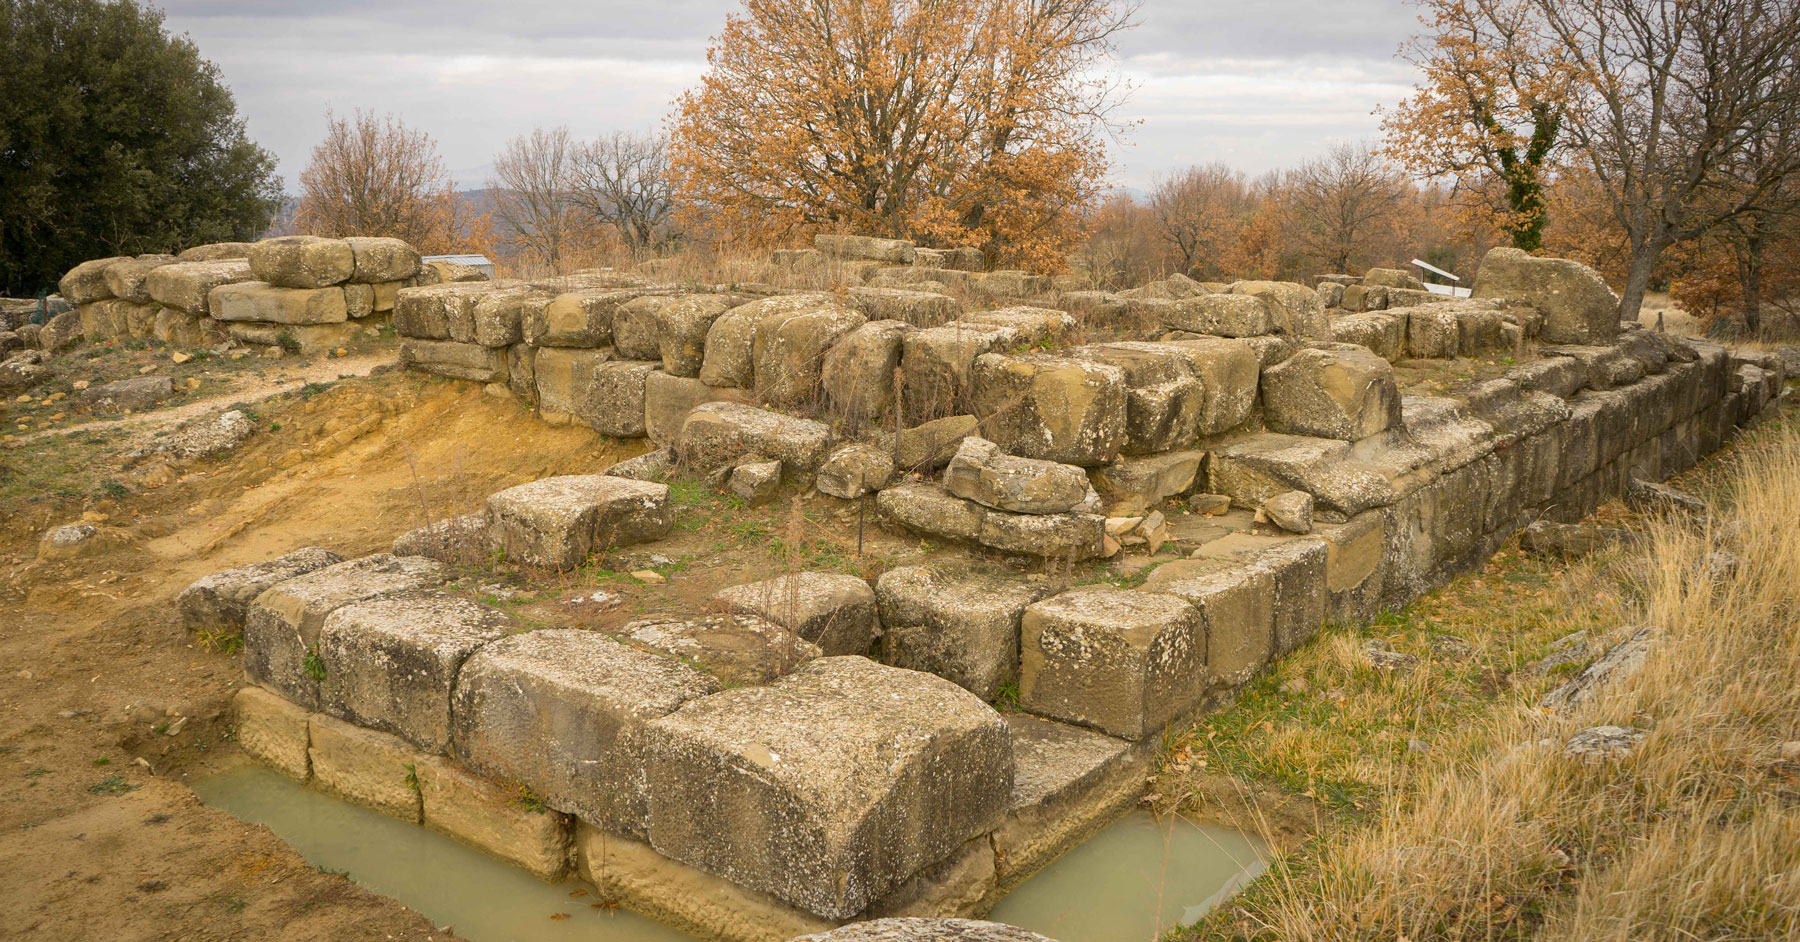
(950, 122)
(1488, 115)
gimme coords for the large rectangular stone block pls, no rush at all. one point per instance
(1050, 407)
(255, 301)
(375, 260)
(186, 286)
(389, 662)
(274, 730)
(302, 261)
(1236, 603)
(1120, 661)
(1068, 784)
(956, 621)
(1343, 392)
(632, 874)
(556, 522)
(668, 399)
(720, 435)
(219, 602)
(562, 712)
(829, 787)
(835, 611)
(479, 812)
(126, 279)
(468, 361)
(281, 628)
(373, 769)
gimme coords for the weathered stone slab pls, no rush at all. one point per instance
(789, 351)
(126, 279)
(1120, 661)
(459, 541)
(574, 319)
(1054, 408)
(423, 312)
(1392, 278)
(389, 662)
(834, 611)
(1132, 485)
(478, 812)
(219, 602)
(1164, 402)
(1236, 604)
(981, 473)
(376, 260)
(615, 401)
(1297, 566)
(273, 730)
(256, 301)
(894, 251)
(467, 361)
(372, 769)
(302, 261)
(731, 343)
(1068, 783)
(853, 776)
(668, 399)
(917, 308)
(1230, 370)
(1221, 315)
(215, 251)
(556, 522)
(1296, 309)
(1343, 392)
(1383, 334)
(1258, 467)
(720, 434)
(930, 509)
(1079, 536)
(86, 282)
(564, 380)
(938, 362)
(740, 650)
(960, 622)
(928, 447)
(562, 712)
(858, 373)
(855, 470)
(282, 625)
(1558, 376)
(1577, 305)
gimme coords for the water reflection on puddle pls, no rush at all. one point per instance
(1134, 879)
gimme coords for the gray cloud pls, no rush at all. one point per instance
(1259, 84)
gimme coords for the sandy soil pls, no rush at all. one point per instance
(107, 704)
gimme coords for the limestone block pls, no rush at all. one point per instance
(62, 332)
(1236, 603)
(389, 662)
(961, 883)
(468, 361)
(1296, 565)
(668, 399)
(86, 282)
(1479, 333)
(1296, 309)
(1068, 783)
(853, 776)
(521, 372)
(930, 509)
(301, 261)
(562, 711)
(478, 812)
(719, 434)
(636, 328)
(1229, 369)
(1221, 315)
(1121, 661)
(1356, 567)
(615, 402)
(937, 364)
(858, 372)
(981, 473)
(282, 625)
(497, 316)
(1343, 392)
(126, 279)
(420, 311)
(1384, 334)
(359, 300)
(958, 621)
(1026, 324)
(1254, 469)
(375, 260)
(385, 295)
(1054, 408)
(1079, 536)
(460, 540)
(855, 470)
(1164, 402)
(1331, 294)
(372, 769)
(1558, 376)
(219, 602)
(928, 447)
(1007, 284)
(178, 328)
(1392, 278)
(273, 730)
(832, 610)
(738, 649)
(893, 251)
(917, 308)
(755, 482)
(633, 875)
(957, 259)
(682, 325)
(216, 251)
(1132, 485)
(304, 339)
(925, 929)
(789, 351)
(574, 319)
(1577, 305)
(565, 379)
(731, 341)
(256, 301)
(556, 522)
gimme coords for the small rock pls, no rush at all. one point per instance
(649, 577)
(81, 384)
(1291, 511)
(1651, 497)
(1721, 566)
(1384, 658)
(1604, 743)
(1568, 540)
(1119, 526)
(1621, 660)
(65, 541)
(180, 357)
(176, 727)
(342, 352)
(756, 482)
(1212, 505)
(600, 597)
(146, 370)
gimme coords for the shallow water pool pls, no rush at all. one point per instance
(1134, 879)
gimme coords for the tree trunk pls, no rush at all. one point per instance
(1751, 276)
(1643, 264)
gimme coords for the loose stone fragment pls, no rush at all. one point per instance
(562, 712)
(855, 470)
(930, 446)
(981, 473)
(834, 611)
(1121, 661)
(1292, 511)
(389, 662)
(853, 776)
(556, 522)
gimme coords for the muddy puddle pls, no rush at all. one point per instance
(1129, 882)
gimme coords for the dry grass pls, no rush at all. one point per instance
(1494, 833)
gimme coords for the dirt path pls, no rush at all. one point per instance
(144, 425)
(107, 704)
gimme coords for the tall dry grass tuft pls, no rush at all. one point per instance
(1695, 835)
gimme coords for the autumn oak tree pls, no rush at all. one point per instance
(951, 122)
(374, 176)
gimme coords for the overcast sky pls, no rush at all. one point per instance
(1259, 84)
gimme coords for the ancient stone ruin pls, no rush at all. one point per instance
(819, 749)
